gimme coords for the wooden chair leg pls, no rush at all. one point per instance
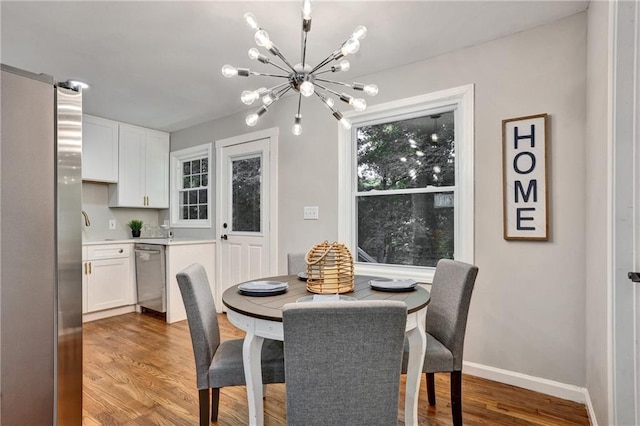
(215, 402)
(456, 397)
(431, 388)
(203, 397)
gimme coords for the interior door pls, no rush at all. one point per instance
(244, 214)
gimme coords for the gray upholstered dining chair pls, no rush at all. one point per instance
(343, 361)
(296, 263)
(446, 324)
(218, 364)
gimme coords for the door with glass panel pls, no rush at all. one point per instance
(244, 212)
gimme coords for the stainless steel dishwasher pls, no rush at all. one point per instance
(150, 277)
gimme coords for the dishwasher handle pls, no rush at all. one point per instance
(147, 251)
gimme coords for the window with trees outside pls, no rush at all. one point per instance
(190, 189)
(410, 178)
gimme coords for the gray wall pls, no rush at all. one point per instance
(528, 310)
(596, 208)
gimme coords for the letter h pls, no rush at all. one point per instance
(517, 137)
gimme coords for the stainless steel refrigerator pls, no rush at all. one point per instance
(41, 251)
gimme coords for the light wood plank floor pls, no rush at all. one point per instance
(140, 371)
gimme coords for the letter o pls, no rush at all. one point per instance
(533, 163)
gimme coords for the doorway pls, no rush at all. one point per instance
(246, 207)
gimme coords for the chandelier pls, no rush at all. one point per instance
(302, 77)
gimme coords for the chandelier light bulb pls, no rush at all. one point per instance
(252, 119)
(254, 53)
(351, 46)
(262, 39)
(267, 99)
(360, 32)
(306, 89)
(345, 123)
(358, 104)
(297, 126)
(371, 89)
(434, 137)
(251, 20)
(306, 9)
(249, 96)
(229, 71)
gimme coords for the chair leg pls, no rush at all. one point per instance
(215, 402)
(431, 388)
(456, 397)
(203, 396)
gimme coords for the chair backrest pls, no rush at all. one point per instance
(449, 306)
(342, 361)
(296, 263)
(202, 318)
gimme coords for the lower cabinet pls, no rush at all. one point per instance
(108, 277)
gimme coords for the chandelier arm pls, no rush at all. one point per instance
(304, 48)
(274, 50)
(335, 55)
(328, 90)
(268, 75)
(334, 82)
(277, 86)
(299, 102)
(278, 66)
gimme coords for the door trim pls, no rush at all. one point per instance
(272, 135)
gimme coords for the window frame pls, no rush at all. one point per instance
(177, 159)
(461, 101)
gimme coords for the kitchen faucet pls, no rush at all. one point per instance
(87, 222)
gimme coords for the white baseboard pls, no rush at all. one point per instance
(536, 384)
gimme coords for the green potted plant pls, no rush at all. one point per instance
(136, 226)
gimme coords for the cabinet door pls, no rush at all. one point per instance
(99, 149)
(157, 169)
(131, 181)
(108, 284)
(85, 278)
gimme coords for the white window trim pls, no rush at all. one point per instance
(461, 100)
(177, 157)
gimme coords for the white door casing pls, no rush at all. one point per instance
(624, 255)
(243, 255)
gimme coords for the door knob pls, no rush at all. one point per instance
(634, 276)
(224, 237)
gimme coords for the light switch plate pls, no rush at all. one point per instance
(112, 224)
(310, 213)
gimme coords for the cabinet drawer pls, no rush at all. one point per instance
(108, 251)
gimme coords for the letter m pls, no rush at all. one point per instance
(533, 187)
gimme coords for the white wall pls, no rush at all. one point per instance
(596, 208)
(528, 310)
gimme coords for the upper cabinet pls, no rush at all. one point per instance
(99, 149)
(143, 176)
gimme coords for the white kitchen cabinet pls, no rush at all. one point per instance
(107, 277)
(99, 149)
(143, 176)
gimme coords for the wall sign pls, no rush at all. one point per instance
(524, 178)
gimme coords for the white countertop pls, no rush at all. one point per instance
(161, 241)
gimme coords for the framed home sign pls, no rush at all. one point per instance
(524, 178)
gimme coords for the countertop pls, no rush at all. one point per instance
(161, 241)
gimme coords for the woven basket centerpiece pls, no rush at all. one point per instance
(329, 269)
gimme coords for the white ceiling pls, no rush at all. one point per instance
(157, 63)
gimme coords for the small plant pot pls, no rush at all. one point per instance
(135, 233)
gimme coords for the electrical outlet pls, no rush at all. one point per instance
(112, 224)
(310, 213)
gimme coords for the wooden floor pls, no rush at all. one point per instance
(140, 371)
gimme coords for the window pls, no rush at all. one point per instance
(190, 187)
(407, 184)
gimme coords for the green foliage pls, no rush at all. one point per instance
(406, 229)
(135, 224)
